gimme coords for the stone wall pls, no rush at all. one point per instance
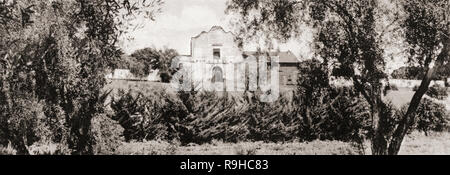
(412, 83)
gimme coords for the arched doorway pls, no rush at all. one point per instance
(217, 75)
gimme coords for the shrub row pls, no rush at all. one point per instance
(194, 117)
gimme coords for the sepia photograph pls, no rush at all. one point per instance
(224, 77)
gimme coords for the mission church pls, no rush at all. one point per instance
(215, 58)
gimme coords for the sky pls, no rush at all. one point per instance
(179, 21)
(182, 19)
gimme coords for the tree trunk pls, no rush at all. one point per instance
(379, 124)
(379, 143)
(81, 141)
(308, 122)
(408, 119)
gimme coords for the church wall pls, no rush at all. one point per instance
(231, 62)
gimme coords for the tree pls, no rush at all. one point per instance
(63, 50)
(427, 28)
(312, 94)
(350, 37)
(408, 72)
(153, 58)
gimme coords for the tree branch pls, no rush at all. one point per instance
(359, 87)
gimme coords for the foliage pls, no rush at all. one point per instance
(427, 28)
(56, 53)
(108, 135)
(409, 73)
(329, 113)
(352, 37)
(431, 116)
(135, 67)
(311, 95)
(20, 126)
(349, 119)
(438, 92)
(416, 73)
(201, 117)
(125, 109)
(148, 59)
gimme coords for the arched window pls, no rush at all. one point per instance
(217, 75)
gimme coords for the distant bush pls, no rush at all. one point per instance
(438, 92)
(127, 108)
(410, 73)
(108, 134)
(431, 116)
(271, 122)
(348, 117)
(165, 77)
(152, 58)
(148, 116)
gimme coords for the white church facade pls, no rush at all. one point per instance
(217, 61)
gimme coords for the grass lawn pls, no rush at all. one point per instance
(244, 148)
(404, 96)
(419, 144)
(400, 97)
(414, 144)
